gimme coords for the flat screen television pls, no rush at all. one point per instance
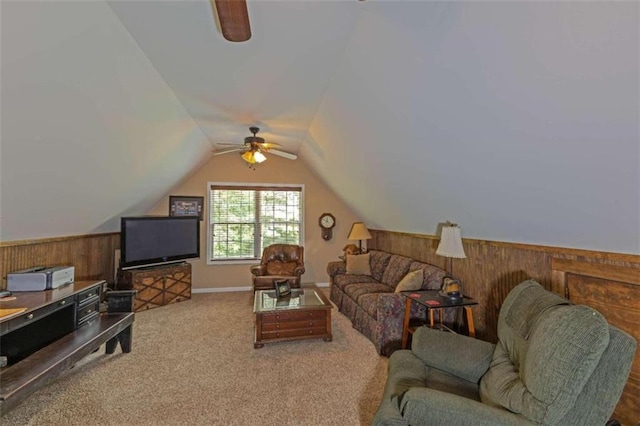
(150, 240)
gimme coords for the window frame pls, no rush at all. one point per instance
(257, 186)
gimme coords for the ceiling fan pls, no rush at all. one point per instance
(254, 147)
(234, 19)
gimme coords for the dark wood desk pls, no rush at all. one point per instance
(55, 330)
(433, 301)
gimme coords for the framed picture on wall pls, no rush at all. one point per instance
(180, 205)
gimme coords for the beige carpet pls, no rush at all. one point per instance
(194, 363)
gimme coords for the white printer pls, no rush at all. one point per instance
(40, 278)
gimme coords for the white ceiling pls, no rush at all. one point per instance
(518, 120)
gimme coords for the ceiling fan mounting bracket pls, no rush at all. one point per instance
(253, 139)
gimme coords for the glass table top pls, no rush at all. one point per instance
(266, 300)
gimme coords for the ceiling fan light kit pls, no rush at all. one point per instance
(254, 148)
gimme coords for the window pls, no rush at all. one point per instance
(243, 219)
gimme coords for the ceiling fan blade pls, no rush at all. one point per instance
(239, 145)
(226, 151)
(270, 145)
(234, 19)
(284, 154)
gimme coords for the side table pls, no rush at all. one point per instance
(432, 300)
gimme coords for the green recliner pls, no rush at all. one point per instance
(555, 363)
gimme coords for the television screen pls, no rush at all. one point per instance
(148, 240)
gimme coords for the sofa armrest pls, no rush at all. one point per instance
(258, 270)
(424, 406)
(390, 319)
(462, 356)
(336, 268)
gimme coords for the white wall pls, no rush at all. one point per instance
(90, 131)
(519, 121)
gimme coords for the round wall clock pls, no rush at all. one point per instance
(327, 222)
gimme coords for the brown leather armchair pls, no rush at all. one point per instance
(279, 262)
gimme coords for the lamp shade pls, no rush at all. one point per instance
(248, 157)
(359, 232)
(451, 242)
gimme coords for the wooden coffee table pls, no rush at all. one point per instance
(306, 314)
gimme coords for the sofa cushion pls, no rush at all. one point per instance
(396, 269)
(379, 261)
(358, 264)
(342, 281)
(354, 291)
(411, 282)
(369, 303)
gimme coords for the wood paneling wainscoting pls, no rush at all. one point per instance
(493, 268)
(91, 255)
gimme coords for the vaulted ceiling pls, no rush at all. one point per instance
(518, 120)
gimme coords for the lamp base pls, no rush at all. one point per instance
(454, 297)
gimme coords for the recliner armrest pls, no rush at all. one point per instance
(424, 406)
(462, 356)
(258, 270)
(299, 270)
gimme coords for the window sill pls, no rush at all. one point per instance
(233, 262)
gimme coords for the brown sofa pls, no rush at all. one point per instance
(370, 303)
(279, 262)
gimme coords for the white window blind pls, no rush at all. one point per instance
(246, 219)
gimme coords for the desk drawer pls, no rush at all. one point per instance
(87, 295)
(88, 310)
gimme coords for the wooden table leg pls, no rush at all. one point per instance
(471, 326)
(405, 326)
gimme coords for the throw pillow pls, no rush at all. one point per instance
(358, 264)
(411, 282)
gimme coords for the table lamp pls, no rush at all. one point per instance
(359, 232)
(451, 246)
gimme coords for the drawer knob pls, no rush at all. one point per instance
(30, 316)
(89, 295)
(89, 311)
(63, 302)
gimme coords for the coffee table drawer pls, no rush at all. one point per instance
(293, 325)
(294, 315)
(294, 333)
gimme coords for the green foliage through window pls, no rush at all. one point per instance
(245, 219)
